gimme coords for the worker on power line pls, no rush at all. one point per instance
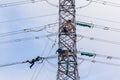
(32, 62)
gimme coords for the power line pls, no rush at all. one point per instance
(51, 64)
(100, 2)
(25, 2)
(94, 55)
(54, 5)
(101, 62)
(21, 19)
(28, 30)
(40, 59)
(98, 18)
(15, 63)
(92, 25)
(19, 40)
(90, 68)
(46, 58)
(36, 77)
(98, 39)
(55, 56)
(87, 37)
(32, 78)
(107, 3)
(106, 28)
(36, 74)
(26, 39)
(90, 1)
(19, 3)
(90, 38)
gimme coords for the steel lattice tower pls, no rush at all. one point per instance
(67, 58)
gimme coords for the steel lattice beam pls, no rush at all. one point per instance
(67, 63)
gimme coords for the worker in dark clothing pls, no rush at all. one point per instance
(32, 62)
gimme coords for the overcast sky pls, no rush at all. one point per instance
(100, 14)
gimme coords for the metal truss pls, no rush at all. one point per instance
(67, 58)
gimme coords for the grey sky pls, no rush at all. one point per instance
(20, 51)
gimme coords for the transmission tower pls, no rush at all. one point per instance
(67, 58)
